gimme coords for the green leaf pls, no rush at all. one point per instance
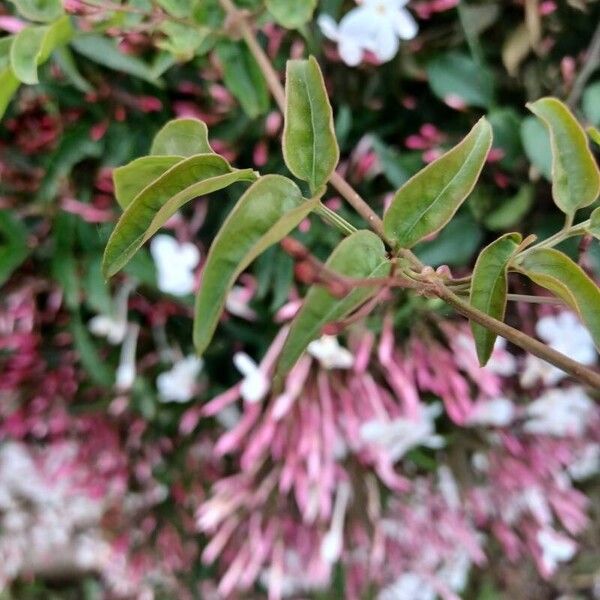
(182, 137)
(105, 52)
(511, 211)
(557, 273)
(9, 84)
(456, 76)
(66, 62)
(594, 134)
(74, 146)
(489, 289)
(360, 255)
(177, 8)
(13, 244)
(156, 203)
(456, 244)
(575, 175)
(243, 77)
(88, 355)
(271, 208)
(292, 13)
(182, 41)
(310, 149)
(594, 227)
(39, 10)
(430, 199)
(536, 143)
(590, 102)
(506, 124)
(32, 46)
(132, 178)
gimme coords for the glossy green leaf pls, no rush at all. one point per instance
(13, 244)
(557, 273)
(39, 10)
(105, 52)
(292, 13)
(360, 255)
(594, 227)
(456, 78)
(590, 102)
(177, 8)
(9, 84)
(536, 143)
(310, 149)
(511, 211)
(132, 178)
(156, 203)
(243, 77)
(427, 201)
(264, 215)
(33, 45)
(575, 175)
(182, 137)
(489, 289)
(594, 134)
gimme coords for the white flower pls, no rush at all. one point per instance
(125, 375)
(175, 264)
(564, 333)
(375, 25)
(560, 412)
(586, 463)
(255, 385)
(409, 586)
(556, 548)
(498, 412)
(330, 354)
(179, 383)
(400, 435)
(332, 542)
(113, 326)
(236, 303)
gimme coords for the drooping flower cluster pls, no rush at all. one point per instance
(316, 460)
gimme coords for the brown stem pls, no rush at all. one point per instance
(521, 339)
(273, 82)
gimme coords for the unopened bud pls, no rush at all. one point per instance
(337, 289)
(332, 329)
(444, 271)
(294, 248)
(305, 272)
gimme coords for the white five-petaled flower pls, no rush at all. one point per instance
(402, 434)
(330, 354)
(375, 26)
(255, 384)
(556, 548)
(179, 383)
(175, 263)
(564, 333)
(560, 412)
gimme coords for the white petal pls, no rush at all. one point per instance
(350, 52)
(328, 27)
(244, 364)
(385, 45)
(162, 248)
(404, 24)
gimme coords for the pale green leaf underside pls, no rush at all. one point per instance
(182, 137)
(594, 227)
(156, 203)
(360, 255)
(427, 201)
(489, 289)
(39, 10)
(270, 209)
(557, 273)
(32, 46)
(575, 175)
(133, 177)
(291, 13)
(310, 148)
